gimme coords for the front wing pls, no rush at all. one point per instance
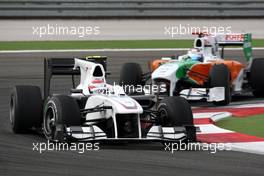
(156, 133)
(210, 94)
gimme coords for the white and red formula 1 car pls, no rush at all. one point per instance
(95, 110)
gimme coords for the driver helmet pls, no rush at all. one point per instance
(196, 57)
(195, 54)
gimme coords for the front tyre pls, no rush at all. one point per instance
(175, 111)
(131, 74)
(219, 76)
(131, 77)
(60, 112)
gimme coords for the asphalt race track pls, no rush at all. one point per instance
(18, 158)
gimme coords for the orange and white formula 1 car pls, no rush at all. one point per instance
(204, 72)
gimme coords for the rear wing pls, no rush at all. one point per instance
(65, 66)
(237, 39)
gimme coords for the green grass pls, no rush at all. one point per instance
(34, 45)
(253, 125)
(133, 44)
(258, 43)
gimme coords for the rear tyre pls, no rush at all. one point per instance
(175, 111)
(60, 111)
(257, 77)
(219, 76)
(130, 76)
(25, 108)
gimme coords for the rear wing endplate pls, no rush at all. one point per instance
(65, 66)
(237, 39)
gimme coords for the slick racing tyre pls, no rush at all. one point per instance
(219, 76)
(257, 77)
(60, 111)
(175, 111)
(130, 77)
(25, 108)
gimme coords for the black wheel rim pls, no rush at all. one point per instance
(12, 111)
(49, 122)
(164, 117)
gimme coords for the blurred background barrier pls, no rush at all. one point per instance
(131, 8)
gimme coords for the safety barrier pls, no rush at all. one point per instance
(131, 8)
